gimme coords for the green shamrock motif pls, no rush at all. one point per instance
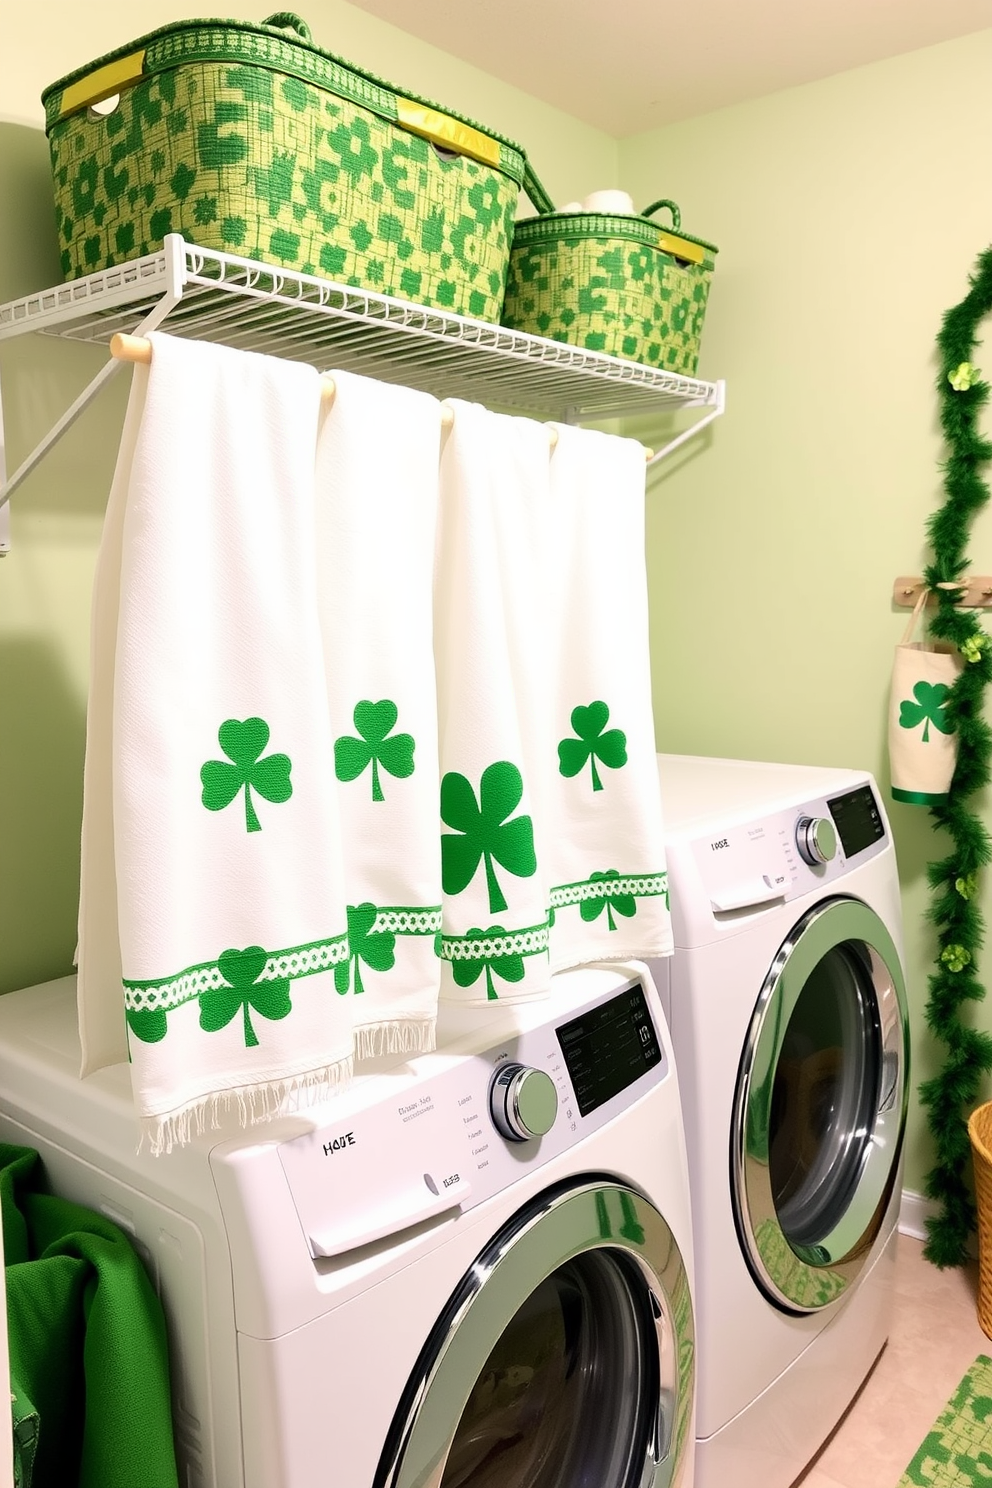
(971, 649)
(963, 377)
(624, 904)
(485, 831)
(374, 721)
(353, 147)
(967, 886)
(241, 970)
(468, 969)
(150, 1025)
(376, 950)
(595, 741)
(243, 743)
(931, 699)
(955, 957)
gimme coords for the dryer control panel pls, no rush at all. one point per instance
(786, 854)
(457, 1128)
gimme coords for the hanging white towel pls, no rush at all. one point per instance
(376, 515)
(102, 1025)
(609, 887)
(490, 626)
(230, 900)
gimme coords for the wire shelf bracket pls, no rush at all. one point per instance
(207, 295)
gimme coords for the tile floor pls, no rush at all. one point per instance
(935, 1336)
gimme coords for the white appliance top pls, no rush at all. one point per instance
(442, 1132)
(697, 791)
(745, 837)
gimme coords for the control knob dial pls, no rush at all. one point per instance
(816, 840)
(523, 1102)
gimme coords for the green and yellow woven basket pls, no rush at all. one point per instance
(251, 140)
(616, 284)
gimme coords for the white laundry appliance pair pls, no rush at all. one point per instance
(469, 1271)
(786, 1003)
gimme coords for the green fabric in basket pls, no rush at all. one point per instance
(88, 1354)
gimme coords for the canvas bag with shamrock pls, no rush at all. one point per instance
(922, 744)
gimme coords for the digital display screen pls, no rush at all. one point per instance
(857, 819)
(609, 1047)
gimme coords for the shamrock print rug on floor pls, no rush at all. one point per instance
(957, 1451)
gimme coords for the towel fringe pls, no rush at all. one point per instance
(253, 1103)
(401, 1036)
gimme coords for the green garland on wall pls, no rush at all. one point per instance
(953, 880)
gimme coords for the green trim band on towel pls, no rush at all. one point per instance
(406, 920)
(918, 798)
(530, 942)
(640, 885)
(297, 961)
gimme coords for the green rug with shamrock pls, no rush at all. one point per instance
(957, 1450)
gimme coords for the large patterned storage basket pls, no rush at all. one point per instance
(251, 140)
(612, 283)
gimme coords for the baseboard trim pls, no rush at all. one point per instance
(914, 1211)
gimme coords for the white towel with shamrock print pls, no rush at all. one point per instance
(490, 628)
(230, 895)
(609, 888)
(376, 514)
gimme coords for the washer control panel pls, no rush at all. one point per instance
(781, 856)
(454, 1129)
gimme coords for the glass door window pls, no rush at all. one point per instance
(824, 1096)
(580, 1351)
(564, 1359)
(820, 1105)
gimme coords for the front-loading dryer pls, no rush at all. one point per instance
(787, 1007)
(469, 1271)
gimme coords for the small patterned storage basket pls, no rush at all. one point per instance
(616, 284)
(251, 140)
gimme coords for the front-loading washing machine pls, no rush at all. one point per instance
(787, 1006)
(469, 1271)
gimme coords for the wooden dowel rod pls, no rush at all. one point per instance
(139, 349)
(131, 348)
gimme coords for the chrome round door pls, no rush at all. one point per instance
(820, 1106)
(565, 1357)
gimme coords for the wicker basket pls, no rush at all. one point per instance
(980, 1132)
(611, 283)
(251, 140)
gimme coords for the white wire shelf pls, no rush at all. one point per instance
(257, 307)
(207, 295)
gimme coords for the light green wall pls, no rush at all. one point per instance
(56, 515)
(848, 214)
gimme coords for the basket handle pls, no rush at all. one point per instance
(105, 82)
(536, 192)
(288, 20)
(664, 202)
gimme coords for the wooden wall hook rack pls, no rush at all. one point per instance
(975, 592)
